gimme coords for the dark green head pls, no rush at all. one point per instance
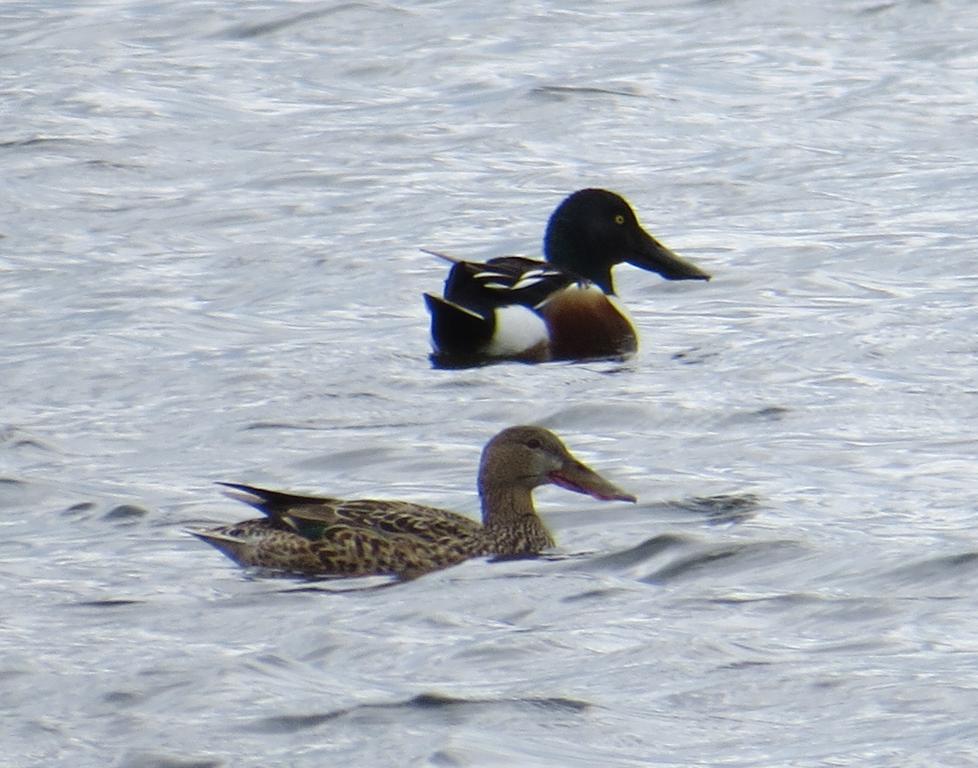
(594, 229)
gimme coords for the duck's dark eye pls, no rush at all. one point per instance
(533, 443)
(619, 218)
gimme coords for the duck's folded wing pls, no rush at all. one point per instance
(503, 282)
(315, 520)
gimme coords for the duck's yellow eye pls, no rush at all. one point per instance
(619, 219)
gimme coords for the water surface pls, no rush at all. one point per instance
(210, 270)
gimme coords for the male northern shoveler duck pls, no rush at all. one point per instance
(333, 537)
(561, 309)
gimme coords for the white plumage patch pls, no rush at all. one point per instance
(528, 280)
(518, 330)
(541, 272)
(507, 281)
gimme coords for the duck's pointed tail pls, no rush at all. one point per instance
(440, 255)
(237, 548)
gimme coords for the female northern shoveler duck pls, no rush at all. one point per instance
(565, 309)
(333, 537)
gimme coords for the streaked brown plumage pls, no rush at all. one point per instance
(334, 537)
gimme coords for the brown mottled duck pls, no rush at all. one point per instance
(317, 536)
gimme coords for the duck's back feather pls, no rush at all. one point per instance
(309, 516)
(504, 281)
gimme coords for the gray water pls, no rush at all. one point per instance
(210, 270)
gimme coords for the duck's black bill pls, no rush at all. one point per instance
(652, 255)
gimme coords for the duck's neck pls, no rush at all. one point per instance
(511, 523)
(572, 253)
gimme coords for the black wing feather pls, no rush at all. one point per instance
(502, 282)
